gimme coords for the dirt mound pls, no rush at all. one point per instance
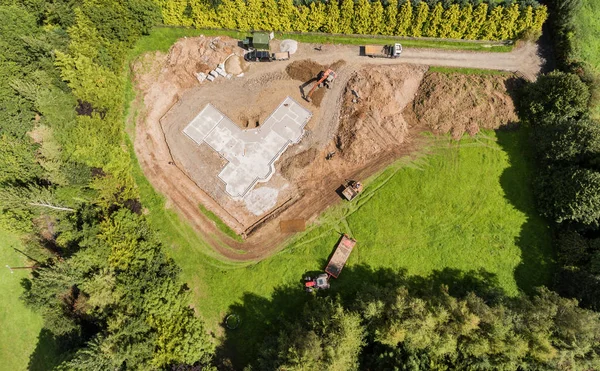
(291, 167)
(456, 103)
(191, 55)
(307, 69)
(371, 120)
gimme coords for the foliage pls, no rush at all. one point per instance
(438, 19)
(421, 322)
(553, 96)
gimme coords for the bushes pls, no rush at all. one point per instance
(362, 17)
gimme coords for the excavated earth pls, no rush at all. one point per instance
(372, 115)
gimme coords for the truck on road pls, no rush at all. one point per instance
(383, 51)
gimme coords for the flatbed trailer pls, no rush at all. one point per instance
(340, 256)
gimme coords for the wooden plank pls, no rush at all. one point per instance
(293, 225)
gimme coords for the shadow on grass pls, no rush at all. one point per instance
(47, 354)
(535, 240)
(262, 318)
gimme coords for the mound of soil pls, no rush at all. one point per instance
(456, 103)
(307, 69)
(371, 120)
(292, 166)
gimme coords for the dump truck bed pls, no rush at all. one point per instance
(340, 256)
(349, 193)
(376, 50)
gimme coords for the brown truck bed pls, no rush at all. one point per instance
(375, 50)
(340, 256)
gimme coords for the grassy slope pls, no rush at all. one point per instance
(587, 40)
(20, 326)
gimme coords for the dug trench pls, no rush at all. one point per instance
(373, 115)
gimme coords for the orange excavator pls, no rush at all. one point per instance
(325, 78)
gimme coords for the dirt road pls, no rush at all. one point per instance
(165, 80)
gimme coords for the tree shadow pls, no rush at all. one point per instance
(49, 352)
(263, 318)
(535, 239)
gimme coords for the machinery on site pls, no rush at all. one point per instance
(265, 56)
(334, 267)
(352, 189)
(324, 78)
(383, 51)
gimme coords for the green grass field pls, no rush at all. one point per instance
(587, 43)
(20, 326)
(466, 206)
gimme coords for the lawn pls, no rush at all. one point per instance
(587, 42)
(465, 206)
(20, 326)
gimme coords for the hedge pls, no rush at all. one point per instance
(482, 22)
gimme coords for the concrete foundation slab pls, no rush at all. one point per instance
(251, 154)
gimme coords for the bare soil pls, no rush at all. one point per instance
(369, 118)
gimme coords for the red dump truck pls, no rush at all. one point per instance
(383, 51)
(334, 267)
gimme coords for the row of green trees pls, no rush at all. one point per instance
(394, 322)
(485, 22)
(567, 185)
(108, 294)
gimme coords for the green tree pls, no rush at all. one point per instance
(243, 21)
(553, 96)
(376, 18)
(568, 141)
(492, 25)
(449, 23)
(332, 22)
(570, 194)
(525, 20)
(316, 16)
(228, 14)
(346, 16)
(539, 17)
(420, 16)
(477, 22)
(390, 18)
(361, 21)
(509, 23)
(432, 26)
(405, 16)
(464, 20)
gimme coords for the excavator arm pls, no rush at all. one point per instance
(318, 83)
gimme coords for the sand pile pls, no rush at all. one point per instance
(457, 103)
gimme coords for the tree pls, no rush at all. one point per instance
(390, 18)
(449, 23)
(376, 18)
(346, 16)
(332, 21)
(553, 96)
(420, 16)
(432, 27)
(509, 23)
(405, 16)
(361, 21)
(464, 20)
(316, 16)
(569, 194)
(479, 18)
(228, 14)
(492, 25)
(539, 17)
(568, 142)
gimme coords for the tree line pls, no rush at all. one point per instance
(109, 296)
(455, 21)
(450, 320)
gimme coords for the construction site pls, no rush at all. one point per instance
(265, 143)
